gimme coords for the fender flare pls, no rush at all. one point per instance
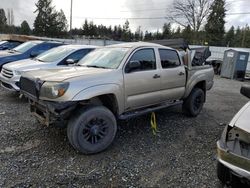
(102, 89)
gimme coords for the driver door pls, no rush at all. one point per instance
(142, 85)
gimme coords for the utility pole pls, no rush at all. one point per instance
(71, 7)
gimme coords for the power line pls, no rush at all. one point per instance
(145, 18)
(141, 10)
(117, 18)
(237, 13)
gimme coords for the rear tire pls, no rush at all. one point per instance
(192, 105)
(92, 130)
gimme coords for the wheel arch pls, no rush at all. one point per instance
(199, 84)
(109, 95)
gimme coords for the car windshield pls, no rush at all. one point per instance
(24, 47)
(2, 42)
(55, 54)
(109, 58)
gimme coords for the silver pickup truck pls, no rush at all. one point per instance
(115, 82)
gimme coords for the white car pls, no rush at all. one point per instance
(60, 56)
(233, 148)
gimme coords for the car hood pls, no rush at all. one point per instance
(242, 119)
(64, 73)
(24, 65)
(5, 53)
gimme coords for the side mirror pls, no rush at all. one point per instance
(133, 65)
(245, 90)
(70, 61)
(34, 53)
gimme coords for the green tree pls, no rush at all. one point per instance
(229, 37)
(85, 28)
(49, 22)
(148, 36)
(3, 21)
(187, 34)
(238, 37)
(166, 34)
(61, 23)
(177, 32)
(25, 28)
(126, 33)
(215, 27)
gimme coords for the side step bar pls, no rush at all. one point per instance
(144, 111)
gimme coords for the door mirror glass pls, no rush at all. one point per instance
(133, 65)
(245, 90)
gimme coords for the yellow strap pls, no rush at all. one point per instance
(153, 123)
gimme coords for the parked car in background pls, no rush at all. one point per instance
(26, 50)
(115, 82)
(8, 45)
(233, 148)
(59, 56)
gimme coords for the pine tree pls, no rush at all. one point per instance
(229, 37)
(25, 28)
(187, 34)
(86, 28)
(49, 22)
(3, 21)
(166, 34)
(126, 33)
(238, 37)
(215, 24)
(61, 26)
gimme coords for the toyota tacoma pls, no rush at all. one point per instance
(116, 82)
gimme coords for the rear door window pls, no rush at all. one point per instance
(169, 58)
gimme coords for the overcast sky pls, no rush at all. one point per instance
(119, 9)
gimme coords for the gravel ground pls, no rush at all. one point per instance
(182, 154)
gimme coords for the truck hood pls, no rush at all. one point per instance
(242, 118)
(65, 73)
(25, 65)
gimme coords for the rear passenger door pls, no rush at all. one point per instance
(142, 85)
(173, 74)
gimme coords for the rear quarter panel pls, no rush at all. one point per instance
(198, 74)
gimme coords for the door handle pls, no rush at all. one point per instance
(181, 73)
(156, 76)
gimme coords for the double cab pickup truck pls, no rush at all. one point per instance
(115, 82)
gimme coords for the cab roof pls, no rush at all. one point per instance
(137, 44)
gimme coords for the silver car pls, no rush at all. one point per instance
(60, 56)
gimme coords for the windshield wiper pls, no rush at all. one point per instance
(97, 66)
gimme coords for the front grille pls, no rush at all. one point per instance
(7, 73)
(28, 86)
(7, 85)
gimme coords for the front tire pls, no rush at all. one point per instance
(192, 106)
(92, 130)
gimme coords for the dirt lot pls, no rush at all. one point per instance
(181, 155)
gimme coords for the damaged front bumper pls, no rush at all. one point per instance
(51, 112)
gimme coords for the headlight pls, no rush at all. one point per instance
(17, 73)
(53, 90)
